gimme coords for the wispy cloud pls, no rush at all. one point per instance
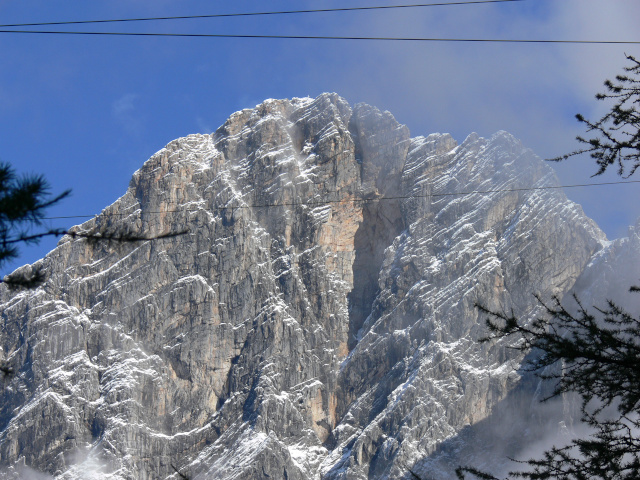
(84, 464)
(124, 111)
(530, 90)
(204, 126)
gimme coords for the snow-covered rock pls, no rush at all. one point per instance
(318, 319)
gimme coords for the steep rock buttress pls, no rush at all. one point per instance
(317, 320)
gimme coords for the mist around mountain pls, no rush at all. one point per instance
(318, 321)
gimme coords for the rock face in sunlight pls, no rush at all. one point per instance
(317, 320)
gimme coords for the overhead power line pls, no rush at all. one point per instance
(322, 37)
(362, 200)
(252, 14)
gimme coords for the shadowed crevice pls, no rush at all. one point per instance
(382, 223)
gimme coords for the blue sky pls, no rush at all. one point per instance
(86, 112)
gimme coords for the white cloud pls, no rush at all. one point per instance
(127, 115)
(84, 464)
(530, 90)
(204, 126)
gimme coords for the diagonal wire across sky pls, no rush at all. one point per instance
(253, 14)
(5, 27)
(367, 200)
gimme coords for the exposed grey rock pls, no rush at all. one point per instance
(318, 319)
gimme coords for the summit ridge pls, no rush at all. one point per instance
(317, 321)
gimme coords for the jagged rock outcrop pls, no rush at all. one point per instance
(317, 320)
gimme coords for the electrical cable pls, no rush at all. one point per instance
(362, 200)
(250, 14)
(322, 37)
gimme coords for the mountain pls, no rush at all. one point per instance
(316, 321)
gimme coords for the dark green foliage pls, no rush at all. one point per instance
(598, 354)
(617, 134)
(600, 357)
(23, 201)
(36, 277)
(460, 471)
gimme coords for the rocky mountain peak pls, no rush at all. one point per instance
(316, 321)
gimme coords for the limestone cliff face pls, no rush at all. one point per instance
(317, 320)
